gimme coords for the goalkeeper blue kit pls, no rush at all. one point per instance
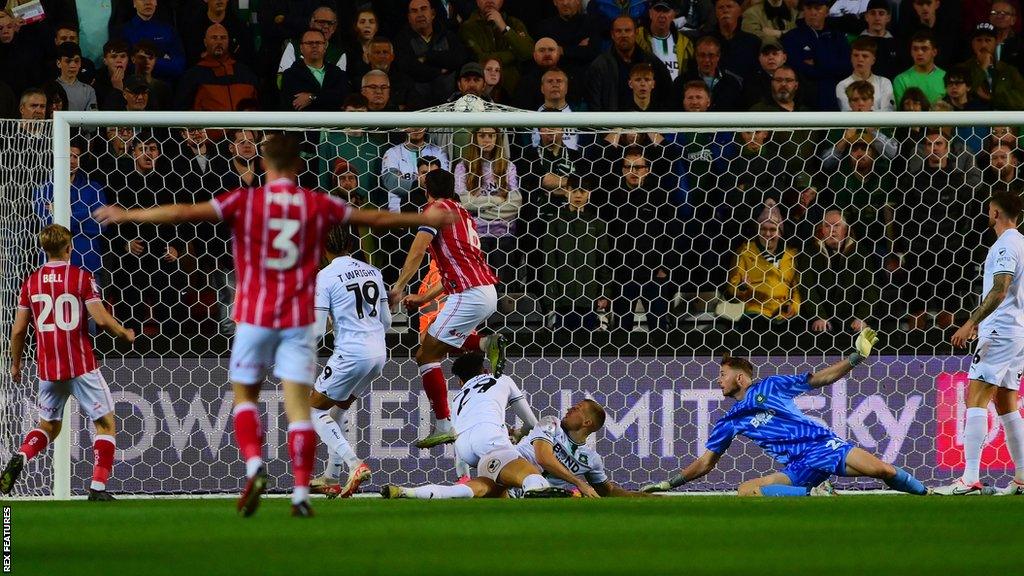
(768, 416)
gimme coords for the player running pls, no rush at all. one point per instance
(765, 413)
(278, 232)
(483, 439)
(352, 294)
(54, 296)
(472, 298)
(998, 362)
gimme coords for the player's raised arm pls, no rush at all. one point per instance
(865, 340)
(434, 218)
(699, 467)
(108, 323)
(166, 214)
(18, 333)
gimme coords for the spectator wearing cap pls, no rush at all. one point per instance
(470, 82)
(195, 23)
(135, 94)
(81, 96)
(972, 12)
(924, 74)
(739, 48)
(1009, 47)
(608, 76)
(218, 81)
(491, 33)
(170, 62)
(770, 19)
(429, 53)
(758, 86)
(577, 32)
(889, 53)
(862, 57)
(726, 87)
(764, 276)
(546, 55)
(997, 83)
(819, 54)
(941, 20)
(68, 32)
(110, 78)
(312, 83)
(665, 40)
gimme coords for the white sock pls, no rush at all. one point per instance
(535, 482)
(485, 342)
(252, 465)
(461, 468)
(975, 430)
(329, 431)
(300, 494)
(1013, 427)
(443, 425)
(433, 491)
(96, 485)
(334, 465)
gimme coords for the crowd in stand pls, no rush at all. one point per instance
(830, 229)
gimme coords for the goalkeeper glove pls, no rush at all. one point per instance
(662, 486)
(862, 345)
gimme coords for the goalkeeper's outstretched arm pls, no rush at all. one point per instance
(862, 349)
(699, 467)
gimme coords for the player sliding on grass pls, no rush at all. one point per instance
(998, 362)
(482, 439)
(765, 413)
(56, 295)
(352, 294)
(278, 232)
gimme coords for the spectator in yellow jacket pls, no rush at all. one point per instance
(765, 277)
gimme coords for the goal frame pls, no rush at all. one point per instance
(701, 121)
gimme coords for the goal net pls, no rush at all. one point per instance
(633, 251)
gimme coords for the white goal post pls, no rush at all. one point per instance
(64, 124)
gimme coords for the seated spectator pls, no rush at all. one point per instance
(739, 48)
(932, 239)
(889, 53)
(862, 57)
(376, 88)
(758, 87)
(783, 94)
(360, 152)
(398, 166)
(578, 33)
(766, 157)
(312, 83)
(488, 187)
(545, 170)
(861, 96)
(641, 84)
(860, 187)
(143, 62)
(993, 81)
(958, 93)
(88, 244)
(1009, 47)
(939, 20)
(491, 33)
(665, 40)
(382, 57)
(576, 234)
(170, 57)
(19, 56)
(110, 79)
(135, 94)
(68, 32)
(770, 19)
(805, 208)
(644, 226)
(345, 183)
(1003, 170)
(840, 291)
(726, 87)
(365, 33)
(81, 96)
(764, 275)
(217, 82)
(493, 89)
(195, 23)
(819, 53)
(607, 89)
(242, 169)
(1002, 135)
(554, 87)
(924, 74)
(56, 98)
(429, 53)
(546, 56)
(324, 19)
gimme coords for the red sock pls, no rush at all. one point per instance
(436, 387)
(247, 431)
(302, 450)
(472, 343)
(103, 454)
(35, 442)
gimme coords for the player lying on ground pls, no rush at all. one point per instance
(765, 413)
(351, 293)
(54, 296)
(482, 439)
(278, 231)
(998, 361)
(469, 282)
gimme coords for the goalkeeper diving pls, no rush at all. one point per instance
(765, 413)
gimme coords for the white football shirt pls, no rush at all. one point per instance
(353, 293)
(483, 400)
(1006, 256)
(580, 459)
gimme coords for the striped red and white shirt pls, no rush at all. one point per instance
(456, 251)
(278, 234)
(57, 294)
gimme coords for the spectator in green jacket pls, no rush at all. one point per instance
(993, 81)
(491, 33)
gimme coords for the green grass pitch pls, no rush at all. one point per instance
(872, 535)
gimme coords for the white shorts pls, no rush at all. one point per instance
(342, 379)
(90, 389)
(464, 312)
(999, 362)
(291, 351)
(473, 444)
